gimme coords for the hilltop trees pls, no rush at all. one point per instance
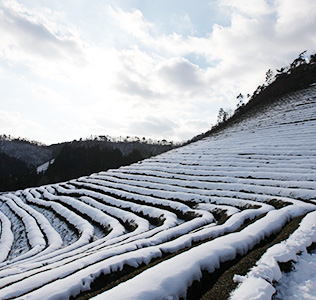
(240, 99)
(31, 152)
(299, 60)
(72, 162)
(222, 116)
(300, 73)
(15, 173)
(269, 77)
(19, 158)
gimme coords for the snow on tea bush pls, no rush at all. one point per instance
(176, 215)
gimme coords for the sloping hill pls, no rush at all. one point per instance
(30, 152)
(161, 225)
(28, 163)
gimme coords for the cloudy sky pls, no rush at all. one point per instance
(159, 69)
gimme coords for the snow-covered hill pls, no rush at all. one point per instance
(30, 152)
(174, 217)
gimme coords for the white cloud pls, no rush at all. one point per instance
(41, 93)
(183, 24)
(296, 19)
(158, 126)
(132, 23)
(117, 87)
(12, 122)
(182, 75)
(26, 35)
(251, 8)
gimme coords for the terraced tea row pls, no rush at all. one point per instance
(170, 218)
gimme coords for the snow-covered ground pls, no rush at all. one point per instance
(55, 240)
(44, 167)
(301, 283)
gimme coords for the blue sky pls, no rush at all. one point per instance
(159, 69)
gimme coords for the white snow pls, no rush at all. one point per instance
(44, 167)
(301, 283)
(171, 277)
(267, 267)
(260, 170)
(6, 237)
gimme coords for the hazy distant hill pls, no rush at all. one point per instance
(14, 173)
(30, 152)
(71, 159)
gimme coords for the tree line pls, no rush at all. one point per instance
(71, 159)
(300, 73)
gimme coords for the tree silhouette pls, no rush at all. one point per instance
(312, 59)
(240, 99)
(269, 76)
(299, 60)
(222, 116)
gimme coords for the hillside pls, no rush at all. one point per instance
(177, 225)
(28, 163)
(30, 152)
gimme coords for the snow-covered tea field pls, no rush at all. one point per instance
(168, 220)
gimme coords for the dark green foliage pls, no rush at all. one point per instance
(73, 162)
(72, 159)
(269, 76)
(222, 116)
(312, 59)
(31, 152)
(15, 174)
(240, 99)
(11, 166)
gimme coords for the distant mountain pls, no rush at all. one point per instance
(75, 161)
(100, 153)
(31, 152)
(14, 173)
(21, 158)
(11, 166)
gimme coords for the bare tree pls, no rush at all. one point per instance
(222, 116)
(240, 99)
(269, 77)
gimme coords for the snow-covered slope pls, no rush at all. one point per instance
(58, 239)
(44, 166)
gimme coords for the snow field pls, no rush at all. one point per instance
(183, 269)
(300, 283)
(267, 269)
(189, 202)
(33, 232)
(6, 238)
